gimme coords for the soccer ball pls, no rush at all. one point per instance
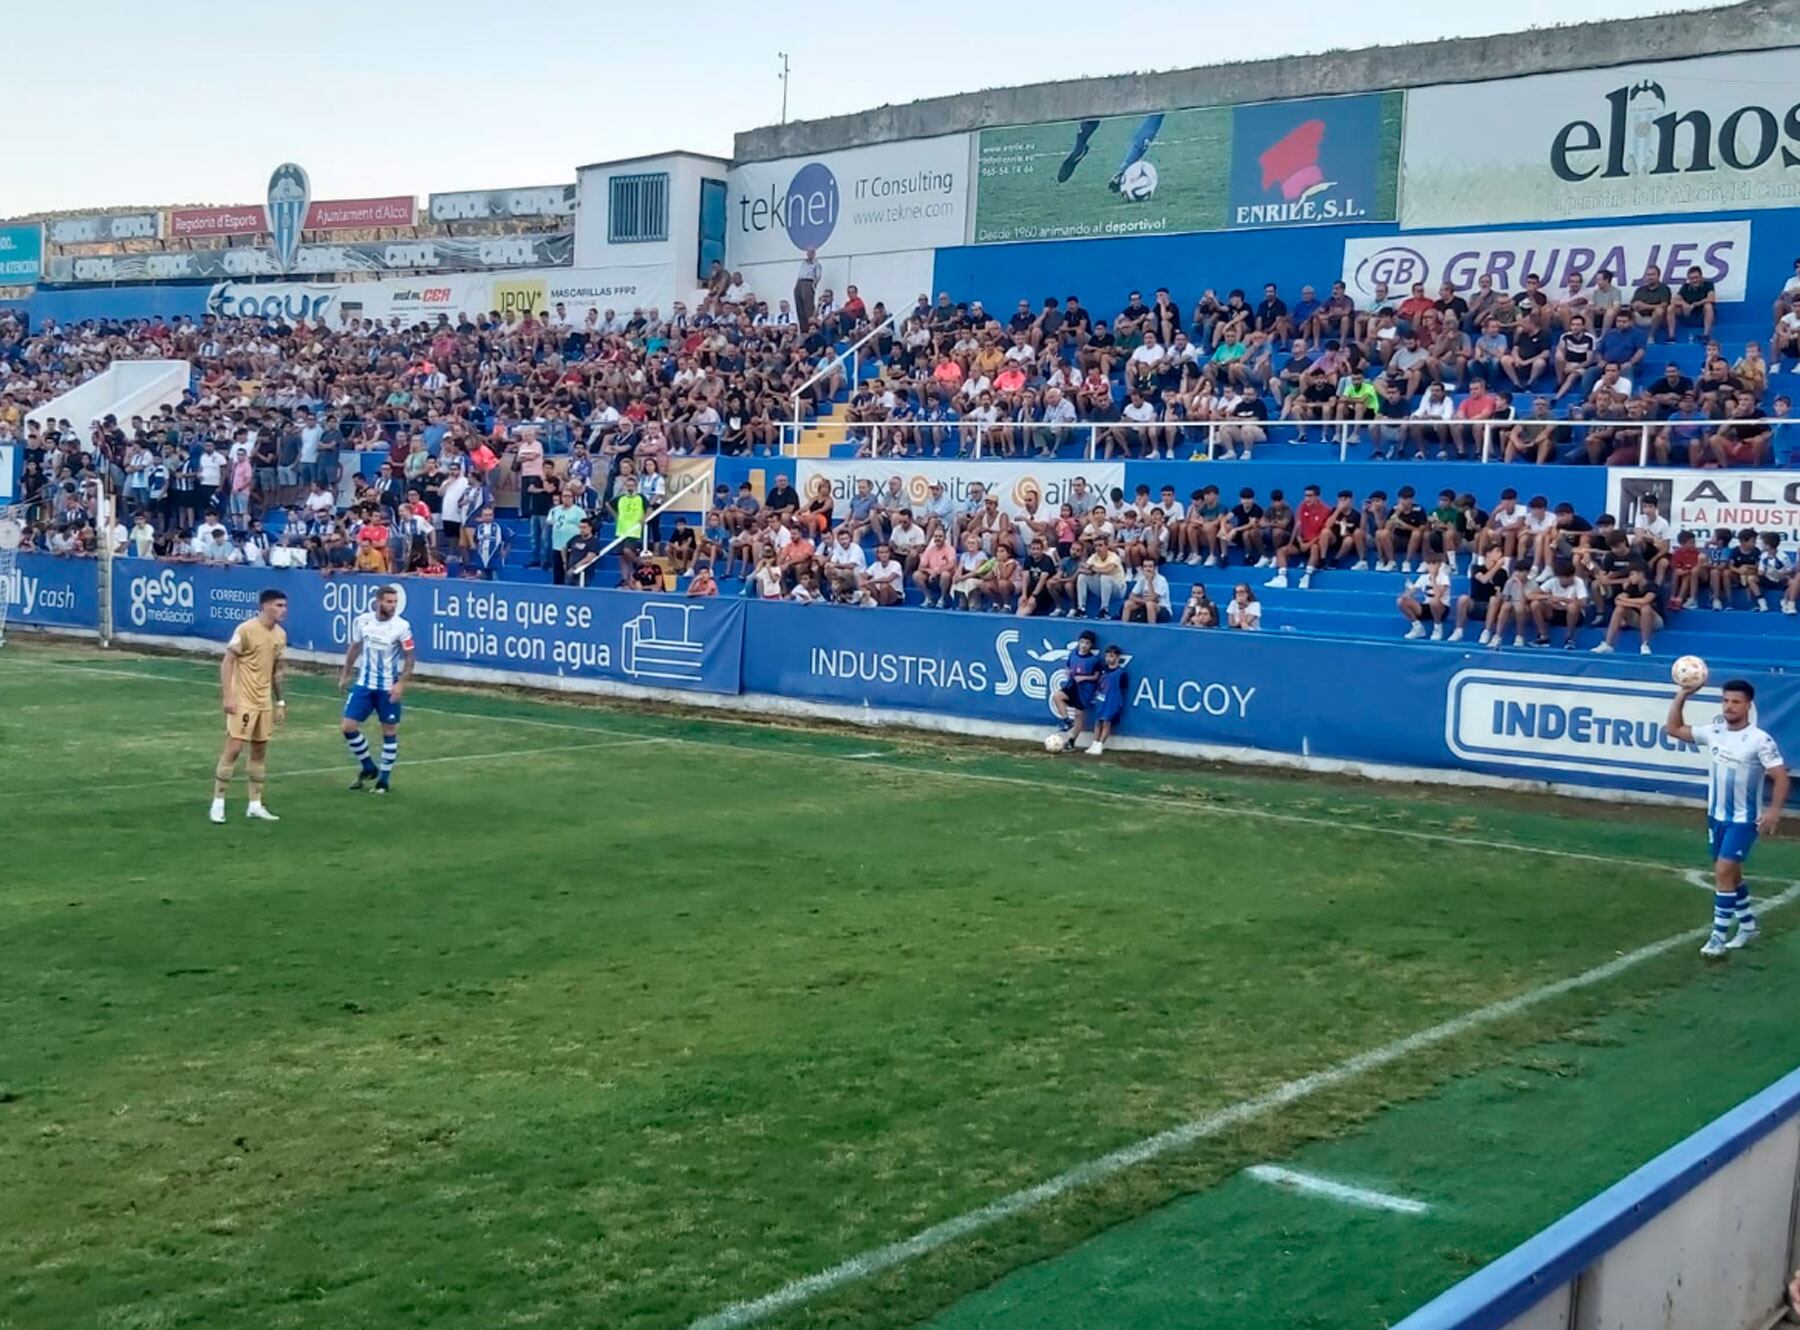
(1139, 182)
(1053, 743)
(1688, 672)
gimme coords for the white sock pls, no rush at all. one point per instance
(218, 805)
(256, 805)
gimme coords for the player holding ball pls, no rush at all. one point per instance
(1741, 758)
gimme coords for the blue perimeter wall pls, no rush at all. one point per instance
(1102, 272)
(1580, 721)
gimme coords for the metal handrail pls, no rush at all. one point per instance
(852, 353)
(1401, 425)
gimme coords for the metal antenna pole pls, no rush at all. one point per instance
(784, 84)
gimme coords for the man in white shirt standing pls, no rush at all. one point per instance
(806, 285)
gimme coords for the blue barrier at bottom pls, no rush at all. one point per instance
(1424, 707)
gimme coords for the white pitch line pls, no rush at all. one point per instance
(858, 1268)
(278, 774)
(1139, 799)
(1335, 1191)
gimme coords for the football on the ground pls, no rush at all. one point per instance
(1688, 672)
(1053, 743)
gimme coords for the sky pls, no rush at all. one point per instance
(192, 101)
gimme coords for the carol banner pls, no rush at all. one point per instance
(476, 205)
(364, 256)
(1713, 134)
(1208, 168)
(99, 228)
(510, 631)
(1582, 722)
(1721, 250)
(1053, 483)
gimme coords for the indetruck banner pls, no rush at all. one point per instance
(1053, 483)
(476, 205)
(1293, 163)
(874, 200)
(1702, 501)
(98, 228)
(1720, 249)
(437, 253)
(1578, 721)
(577, 290)
(1713, 134)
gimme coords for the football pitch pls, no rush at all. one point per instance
(614, 1016)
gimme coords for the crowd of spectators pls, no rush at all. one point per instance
(1414, 374)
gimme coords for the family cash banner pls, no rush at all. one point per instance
(1053, 483)
(1715, 134)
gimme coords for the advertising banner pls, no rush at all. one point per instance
(510, 629)
(1721, 249)
(477, 205)
(251, 219)
(892, 196)
(47, 592)
(10, 465)
(577, 290)
(1054, 483)
(1714, 134)
(21, 254)
(369, 256)
(1209, 168)
(1702, 501)
(102, 227)
(1583, 723)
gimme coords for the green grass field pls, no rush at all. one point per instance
(618, 1017)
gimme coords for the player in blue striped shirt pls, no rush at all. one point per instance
(1741, 758)
(380, 661)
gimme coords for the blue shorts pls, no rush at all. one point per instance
(1730, 840)
(378, 700)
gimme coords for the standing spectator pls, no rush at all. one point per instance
(565, 524)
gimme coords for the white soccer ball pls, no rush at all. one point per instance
(1053, 743)
(1139, 181)
(1688, 672)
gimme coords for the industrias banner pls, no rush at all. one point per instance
(1715, 134)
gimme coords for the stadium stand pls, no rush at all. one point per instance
(424, 419)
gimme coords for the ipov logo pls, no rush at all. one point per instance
(1397, 265)
(163, 599)
(343, 601)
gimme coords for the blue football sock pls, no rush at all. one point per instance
(359, 749)
(390, 753)
(1745, 915)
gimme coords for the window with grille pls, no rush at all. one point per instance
(638, 208)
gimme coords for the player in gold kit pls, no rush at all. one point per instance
(250, 681)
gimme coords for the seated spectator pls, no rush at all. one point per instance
(1558, 595)
(1149, 598)
(1427, 598)
(1245, 610)
(1636, 604)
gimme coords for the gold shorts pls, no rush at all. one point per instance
(256, 726)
